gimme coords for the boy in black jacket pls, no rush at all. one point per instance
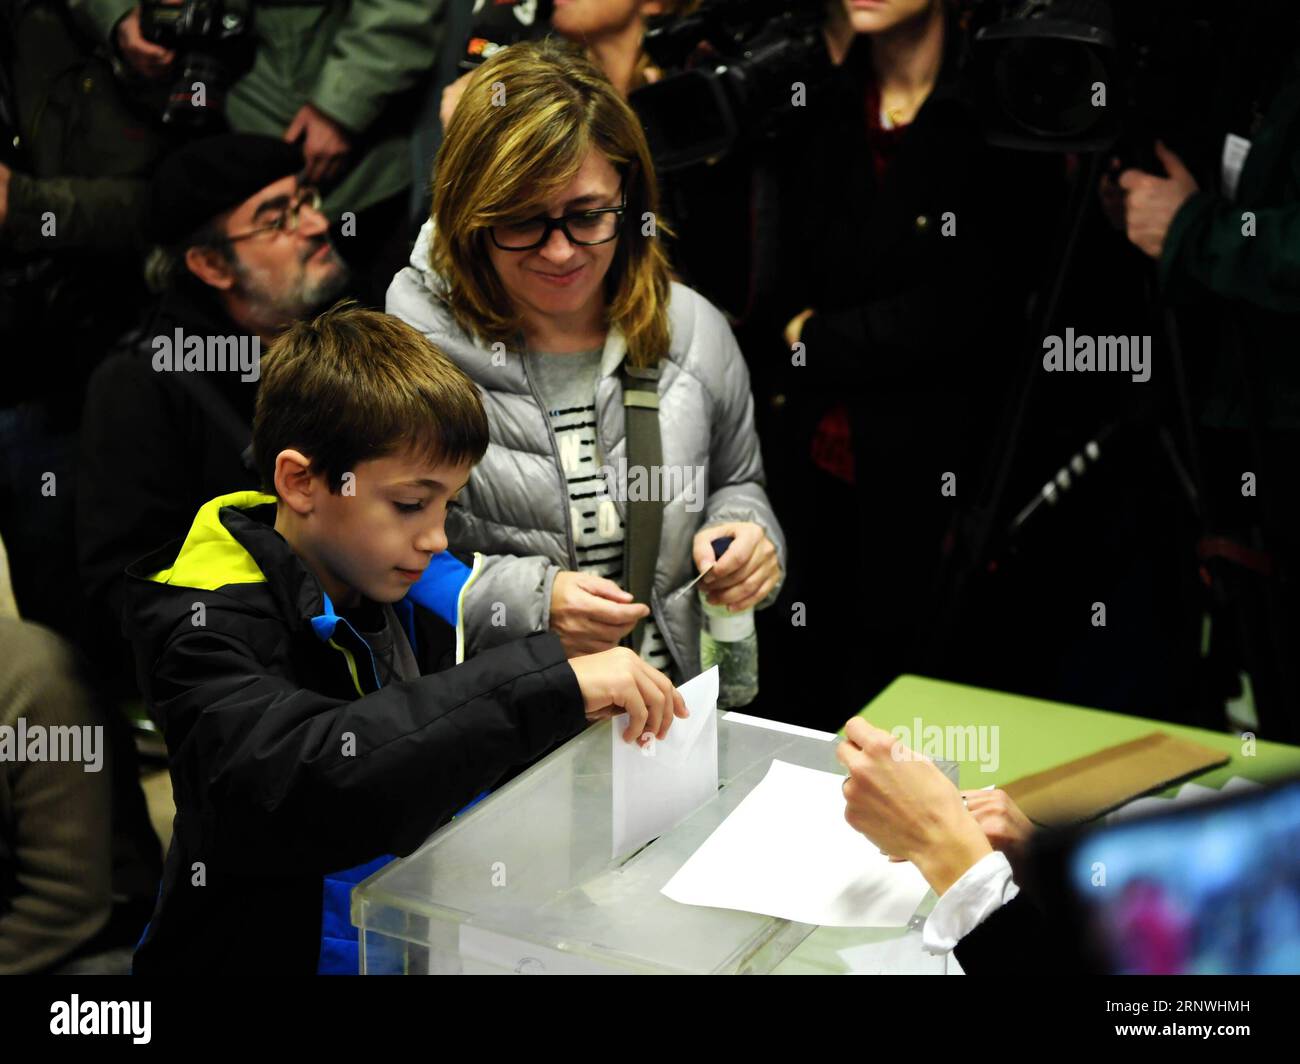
(294, 676)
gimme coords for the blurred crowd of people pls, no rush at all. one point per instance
(857, 293)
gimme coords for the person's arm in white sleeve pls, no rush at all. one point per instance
(982, 889)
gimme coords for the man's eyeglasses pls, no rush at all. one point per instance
(285, 219)
(584, 228)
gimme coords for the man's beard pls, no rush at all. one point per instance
(274, 304)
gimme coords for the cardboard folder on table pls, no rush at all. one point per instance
(1092, 785)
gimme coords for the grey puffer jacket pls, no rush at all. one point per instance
(514, 513)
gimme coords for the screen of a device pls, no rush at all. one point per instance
(1214, 890)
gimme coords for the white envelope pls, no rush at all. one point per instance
(659, 785)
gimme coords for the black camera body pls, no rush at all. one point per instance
(213, 42)
(1093, 75)
(1048, 76)
(730, 71)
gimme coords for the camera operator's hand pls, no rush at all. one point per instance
(325, 144)
(1150, 202)
(748, 569)
(618, 681)
(147, 59)
(907, 807)
(590, 613)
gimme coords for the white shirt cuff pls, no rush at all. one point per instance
(984, 888)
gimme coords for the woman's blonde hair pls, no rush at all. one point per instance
(521, 131)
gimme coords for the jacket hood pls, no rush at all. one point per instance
(232, 557)
(234, 560)
(434, 282)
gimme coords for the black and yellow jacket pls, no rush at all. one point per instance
(288, 760)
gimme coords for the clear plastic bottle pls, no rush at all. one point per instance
(729, 641)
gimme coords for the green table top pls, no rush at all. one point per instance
(1033, 735)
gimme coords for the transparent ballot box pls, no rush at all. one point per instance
(523, 882)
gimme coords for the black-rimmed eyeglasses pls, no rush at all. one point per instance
(584, 228)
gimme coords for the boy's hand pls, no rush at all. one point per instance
(590, 613)
(747, 570)
(617, 681)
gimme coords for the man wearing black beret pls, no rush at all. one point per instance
(243, 251)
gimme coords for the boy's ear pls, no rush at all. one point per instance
(295, 485)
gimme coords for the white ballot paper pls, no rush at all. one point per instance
(1188, 793)
(787, 851)
(659, 785)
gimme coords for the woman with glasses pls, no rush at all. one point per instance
(543, 276)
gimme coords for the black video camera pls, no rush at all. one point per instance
(213, 42)
(730, 71)
(1093, 75)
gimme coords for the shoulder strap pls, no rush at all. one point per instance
(644, 516)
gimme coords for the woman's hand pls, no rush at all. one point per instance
(618, 681)
(747, 571)
(591, 614)
(1004, 825)
(907, 807)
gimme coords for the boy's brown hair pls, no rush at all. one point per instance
(355, 384)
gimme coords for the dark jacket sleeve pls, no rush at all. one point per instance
(1207, 246)
(382, 48)
(129, 469)
(927, 322)
(100, 17)
(288, 780)
(1013, 940)
(939, 271)
(103, 214)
